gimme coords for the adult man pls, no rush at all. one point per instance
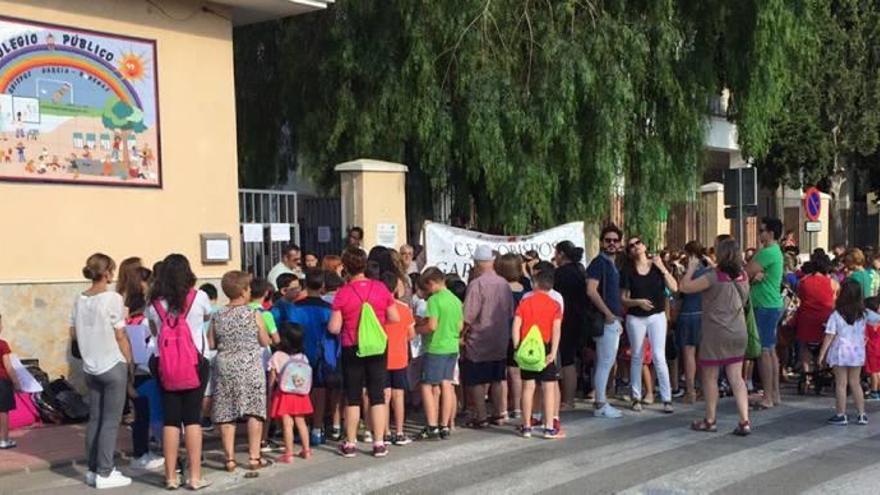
(765, 272)
(290, 256)
(603, 289)
(488, 310)
(355, 238)
(406, 255)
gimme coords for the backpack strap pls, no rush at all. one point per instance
(163, 313)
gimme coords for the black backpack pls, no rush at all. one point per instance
(63, 398)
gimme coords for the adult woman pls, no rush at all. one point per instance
(173, 292)
(643, 284)
(816, 293)
(130, 279)
(360, 372)
(509, 266)
(725, 291)
(404, 285)
(855, 269)
(571, 282)
(310, 260)
(239, 335)
(687, 328)
(97, 325)
(332, 263)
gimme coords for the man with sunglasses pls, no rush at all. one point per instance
(603, 289)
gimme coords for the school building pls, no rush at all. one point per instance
(136, 202)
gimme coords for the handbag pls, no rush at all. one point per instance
(753, 347)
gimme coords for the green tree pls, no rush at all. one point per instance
(529, 111)
(126, 118)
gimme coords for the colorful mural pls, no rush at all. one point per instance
(77, 106)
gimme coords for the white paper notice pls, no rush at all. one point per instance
(252, 232)
(29, 384)
(323, 234)
(279, 232)
(386, 235)
(217, 250)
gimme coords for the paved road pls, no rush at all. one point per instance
(790, 451)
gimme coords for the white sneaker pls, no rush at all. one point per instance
(114, 480)
(607, 411)
(148, 462)
(90, 478)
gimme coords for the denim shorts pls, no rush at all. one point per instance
(397, 380)
(438, 368)
(687, 330)
(767, 320)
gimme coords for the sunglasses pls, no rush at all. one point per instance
(611, 240)
(634, 244)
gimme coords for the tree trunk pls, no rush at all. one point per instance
(841, 204)
(126, 157)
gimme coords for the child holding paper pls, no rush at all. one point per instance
(8, 385)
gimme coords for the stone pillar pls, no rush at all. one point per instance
(711, 219)
(821, 239)
(373, 196)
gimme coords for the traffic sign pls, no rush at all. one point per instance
(813, 226)
(812, 204)
(732, 212)
(740, 186)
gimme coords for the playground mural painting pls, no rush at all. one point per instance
(77, 106)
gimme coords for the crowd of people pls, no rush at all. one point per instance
(342, 348)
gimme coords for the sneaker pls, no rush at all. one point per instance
(266, 447)
(838, 420)
(347, 449)
(148, 462)
(636, 406)
(535, 421)
(678, 393)
(515, 414)
(336, 433)
(551, 433)
(207, 425)
(317, 438)
(607, 411)
(429, 433)
(90, 478)
(400, 439)
(525, 431)
(873, 396)
(368, 436)
(113, 480)
(863, 419)
(380, 450)
(445, 432)
(667, 408)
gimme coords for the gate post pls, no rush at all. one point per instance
(373, 197)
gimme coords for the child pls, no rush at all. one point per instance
(872, 347)
(440, 336)
(207, 425)
(289, 289)
(291, 408)
(540, 310)
(332, 283)
(259, 293)
(8, 385)
(844, 349)
(399, 335)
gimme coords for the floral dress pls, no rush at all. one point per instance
(848, 347)
(239, 374)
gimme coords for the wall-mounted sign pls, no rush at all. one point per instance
(216, 248)
(77, 106)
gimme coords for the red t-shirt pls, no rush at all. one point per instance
(398, 337)
(538, 309)
(349, 299)
(4, 350)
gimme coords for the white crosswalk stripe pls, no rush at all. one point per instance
(864, 481)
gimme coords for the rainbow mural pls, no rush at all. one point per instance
(77, 106)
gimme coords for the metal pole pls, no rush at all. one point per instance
(739, 207)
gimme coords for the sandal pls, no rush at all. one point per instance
(477, 424)
(231, 465)
(198, 485)
(259, 463)
(744, 428)
(305, 454)
(704, 425)
(287, 458)
(498, 420)
(172, 485)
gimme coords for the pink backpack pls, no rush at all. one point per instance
(178, 357)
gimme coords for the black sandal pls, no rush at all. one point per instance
(255, 465)
(477, 424)
(231, 465)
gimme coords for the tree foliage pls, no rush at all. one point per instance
(528, 110)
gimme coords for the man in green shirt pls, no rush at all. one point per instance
(440, 338)
(765, 272)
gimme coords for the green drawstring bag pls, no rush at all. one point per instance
(531, 355)
(372, 340)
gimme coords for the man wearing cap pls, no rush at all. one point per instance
(488, 310)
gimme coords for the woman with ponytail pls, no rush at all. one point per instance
(571, 281)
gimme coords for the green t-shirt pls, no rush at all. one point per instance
(768, 292)
(864, 278)
(446, 308)
(268, 319)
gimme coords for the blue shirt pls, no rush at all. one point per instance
(312, 314)
(603, 269)
(693, 303)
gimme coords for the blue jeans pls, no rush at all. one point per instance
(767, 320)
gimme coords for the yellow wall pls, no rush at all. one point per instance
(49, 230)
(373, 192)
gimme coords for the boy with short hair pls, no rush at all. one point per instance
(207, 425)
(332, 283)
(399, 334)
(8, 385)
(440, 342)
(542, 311)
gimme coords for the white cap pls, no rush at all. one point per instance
(484, 253)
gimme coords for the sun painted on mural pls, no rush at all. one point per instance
(77, 106)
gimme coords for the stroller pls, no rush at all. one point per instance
(819, 379)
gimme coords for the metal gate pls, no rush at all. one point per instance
(269, 220)
(321, 225)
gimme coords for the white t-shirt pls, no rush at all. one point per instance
(95, 319)
(280, 268)
(200, 310)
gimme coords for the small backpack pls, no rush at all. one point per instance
(372, 339)
(178, 357)
(295, 376)
(531, 354)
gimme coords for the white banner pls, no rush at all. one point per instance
(451, 249)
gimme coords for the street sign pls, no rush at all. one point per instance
(812, 205)
(732, 212)
(740, 178)
(813, 226)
